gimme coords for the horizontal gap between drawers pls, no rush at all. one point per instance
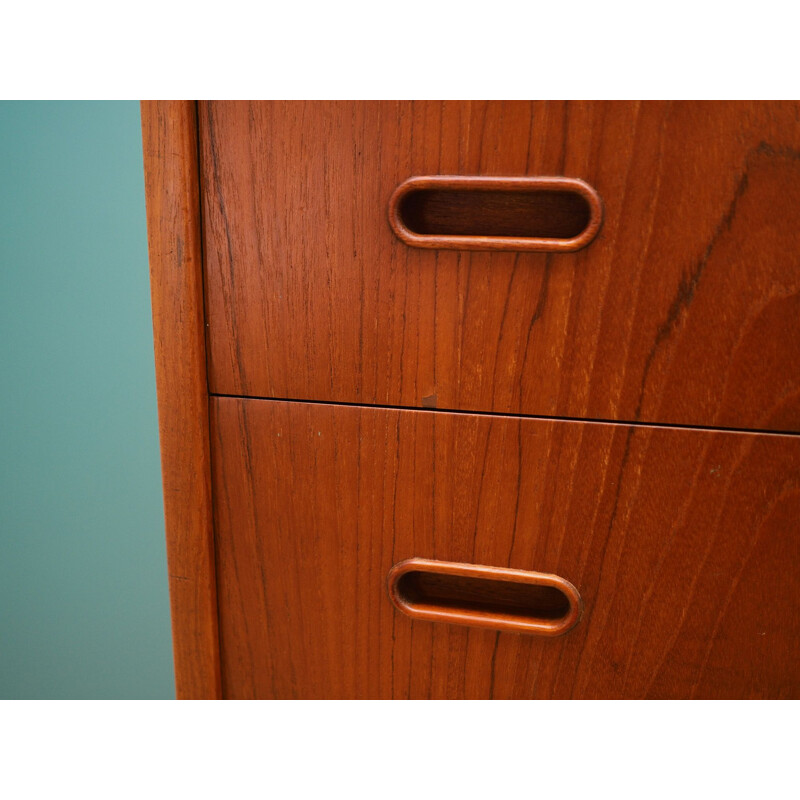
(585, 420)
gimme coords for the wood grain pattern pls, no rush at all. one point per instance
(169, 131)
(684, 309)
(683, 545)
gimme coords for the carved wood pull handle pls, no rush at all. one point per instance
(485, 597)
(457, 212)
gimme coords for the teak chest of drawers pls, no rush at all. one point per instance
(479, 400)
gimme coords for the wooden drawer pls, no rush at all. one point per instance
(684, 309)
(683, 546)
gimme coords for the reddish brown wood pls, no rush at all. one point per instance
(684, 309)
(169, 132)
(509, 600)
(683, 545)
(473, 213)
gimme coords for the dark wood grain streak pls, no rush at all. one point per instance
(683, 545)
(685, 309)
(169, 133)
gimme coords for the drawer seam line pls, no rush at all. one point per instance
(541, 417)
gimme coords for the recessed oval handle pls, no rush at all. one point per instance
(458, 212)
(485, 597)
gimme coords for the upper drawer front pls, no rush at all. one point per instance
(684, 309)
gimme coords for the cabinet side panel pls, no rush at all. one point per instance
(169, 133)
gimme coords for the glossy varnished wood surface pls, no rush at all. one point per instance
(683, 545)
(685, 309)
(169, 132)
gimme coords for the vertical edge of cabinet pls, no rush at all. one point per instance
(169, 138)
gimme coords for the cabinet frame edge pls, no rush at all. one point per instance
(172, 194)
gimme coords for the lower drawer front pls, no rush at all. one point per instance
(683, 545)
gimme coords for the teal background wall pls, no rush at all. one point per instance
(84, 607)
